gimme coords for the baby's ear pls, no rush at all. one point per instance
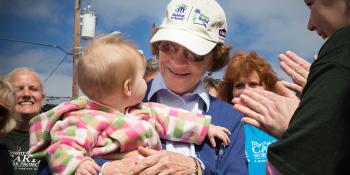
(127, 87)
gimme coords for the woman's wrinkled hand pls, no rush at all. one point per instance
(119, 167)
(163, 163)
(87, 167)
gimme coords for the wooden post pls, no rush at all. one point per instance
(76, 48)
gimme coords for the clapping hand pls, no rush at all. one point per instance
(297, 68)
(266, 110)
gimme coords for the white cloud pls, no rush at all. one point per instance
(42, 61)
(28, 58)
(274, 25)
(121, 12)
(59, 85)
(277, 25)
(268, 26)
(271, 27)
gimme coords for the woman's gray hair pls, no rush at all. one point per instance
(152, 65)
(9, 76)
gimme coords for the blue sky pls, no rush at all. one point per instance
(267, 26)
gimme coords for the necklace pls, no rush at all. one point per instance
(17, 146)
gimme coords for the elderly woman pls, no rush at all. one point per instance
(7, 123)
(29, 102)
(189, 43)
(249, 70)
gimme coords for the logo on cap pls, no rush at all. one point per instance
(222, 32)
(200, 18)
(179, 13)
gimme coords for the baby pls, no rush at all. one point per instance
(113, 122)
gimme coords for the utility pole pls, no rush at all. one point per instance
(76, 48)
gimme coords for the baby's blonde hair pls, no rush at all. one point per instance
(107, 62)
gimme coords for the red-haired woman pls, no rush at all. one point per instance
(249, 70)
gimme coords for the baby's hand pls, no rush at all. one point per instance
(219, 132)
(87, 167)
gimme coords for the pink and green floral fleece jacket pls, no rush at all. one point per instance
(79, 129)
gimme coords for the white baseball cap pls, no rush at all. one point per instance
(197, 25)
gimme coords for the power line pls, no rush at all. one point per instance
(46, 45)
(58, 65)
(39, 44)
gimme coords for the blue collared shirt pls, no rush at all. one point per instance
(196, 101)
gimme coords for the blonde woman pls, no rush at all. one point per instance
(7, 123)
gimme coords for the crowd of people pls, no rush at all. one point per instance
(167, 115)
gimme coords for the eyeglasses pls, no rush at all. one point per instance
(171, 48)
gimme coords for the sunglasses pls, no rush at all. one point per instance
(171, 48)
